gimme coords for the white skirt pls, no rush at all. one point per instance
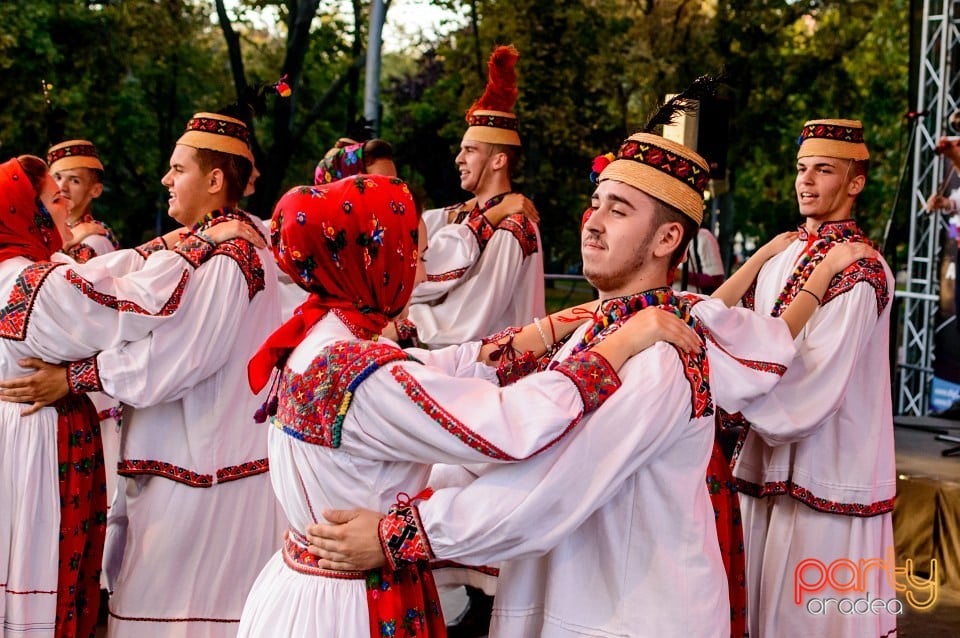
(191, 556)
(779, 533)
(284, 602)
(30, 523)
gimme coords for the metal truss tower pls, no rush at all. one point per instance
(937, 99)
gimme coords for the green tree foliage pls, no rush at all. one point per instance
(129, 73)
(591, 71)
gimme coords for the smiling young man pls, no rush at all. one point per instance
(193, 460)
(485, 266)
(76, 167)
(816, 471)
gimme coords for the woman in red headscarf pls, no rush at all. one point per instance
(358, 422)
(51, 463)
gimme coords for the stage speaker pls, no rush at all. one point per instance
(706, 131)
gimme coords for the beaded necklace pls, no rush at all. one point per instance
(204, 221)
(613, 312)
(829, 233)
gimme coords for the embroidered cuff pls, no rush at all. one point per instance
(81, 253)
(481, 229)
(402, 537)
(593, 376)
(84, 376)
(512, 370)
(749, 298)
(406, 329)
(151, 247)
(194, 250)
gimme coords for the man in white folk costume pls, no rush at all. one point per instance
(358, 420)
(196, 495)
(816, 471)
(485, 265)
(611, 532)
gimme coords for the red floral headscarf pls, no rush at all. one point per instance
(341, 161)
(26, 228)
(352, 245)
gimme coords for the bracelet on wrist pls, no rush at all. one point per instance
(543, 335)
(812, 294)
(204, 237)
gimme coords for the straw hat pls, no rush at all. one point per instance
(216, 132)
(491, 118)
(842, 139)
(73, 154)
(663, 169)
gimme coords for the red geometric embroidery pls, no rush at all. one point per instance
(235, 472)
(84, 376)
(447, 421)
(217, 126)
(133, 467)
(868, 270)
(312, 406)
(832, 132)
(15, 316)
(402, 537)
(512, 369)
(667, 162)
(300, 560)
(495, 121)
(523, 230)
(245, 254)
(125, 305)
(194, 250)
(592, 374)
(749, 300)
(481, 229)
(763, 366)
(805, 496)
(448, 276)
(81, 253)
(152, 246)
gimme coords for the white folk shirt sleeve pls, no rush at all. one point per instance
(451, 251)
(457, 361)
(524, 510)
(470, 307)
(748, 353)
(411, 412)
(87, 308)
(820, 377)
(178, 355)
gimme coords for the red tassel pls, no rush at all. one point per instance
(501, 91)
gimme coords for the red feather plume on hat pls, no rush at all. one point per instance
(500, 93)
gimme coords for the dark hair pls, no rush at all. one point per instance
(377, 149)
(861, 167)
(512, 153)
(236, 170)
(36, 170)
(664, 213)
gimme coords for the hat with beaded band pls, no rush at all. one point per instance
(73, 154)
(840, 139)
(491, 118)
(663, 169)
(216, 132)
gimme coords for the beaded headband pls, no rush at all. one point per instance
(216, 132)
(663, 169)
(841, 139)
(73, 154)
